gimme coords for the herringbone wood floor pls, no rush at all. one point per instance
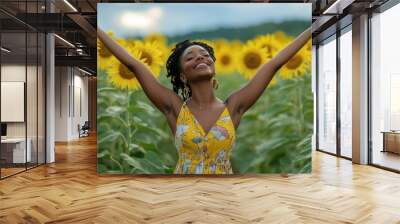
(70, 191)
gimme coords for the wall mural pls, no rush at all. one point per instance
(204, 88)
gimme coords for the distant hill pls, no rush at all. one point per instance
(292, 28)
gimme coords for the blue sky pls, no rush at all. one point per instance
(138, 19)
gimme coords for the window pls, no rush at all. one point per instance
(385, 89)
(346, 92)
(327, 96)
(22, 66)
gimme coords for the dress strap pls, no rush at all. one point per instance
(185, 102)
(184, 105)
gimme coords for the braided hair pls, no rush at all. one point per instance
(174, 69)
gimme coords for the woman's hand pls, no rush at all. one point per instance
(163, 98)
(288, 52)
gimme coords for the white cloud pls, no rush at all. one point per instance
(142, 22)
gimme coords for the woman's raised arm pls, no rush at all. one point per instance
(241, 100)
(163, 98)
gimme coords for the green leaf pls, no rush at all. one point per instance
(144, 106)
(115, 110)
(102, 154)
(112, 137)
(106, 89)
(133, 162)
(109, 118)
(101, 168)
(135, 147)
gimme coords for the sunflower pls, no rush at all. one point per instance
(150, 55)
(236, 45)
(269, 43)
(209, 43)
(167, 52)
(156, 37)
(282, 37)
(297, 65)
(225, 60)
(132, 42)
(250, 59)
(274, 81)
(220, 43)
(103, 54)
(160, 42)
(103, 62)
(102, 49)
(309, 46)
(120, 76)
(308, 50)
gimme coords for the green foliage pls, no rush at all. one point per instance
(291, 28)
(274, 135)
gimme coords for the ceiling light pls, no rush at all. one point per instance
(86, 72)
(79, 51)
(338, 6)
(70, 5)
(5, 50)
(65, 41)
(333, 6)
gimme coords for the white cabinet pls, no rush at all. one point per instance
(18, 148)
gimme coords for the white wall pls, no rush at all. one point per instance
(13, 72)
(79, 117)
(70, 83)
(62, 80)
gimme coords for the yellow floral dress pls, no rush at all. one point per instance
(200, 152)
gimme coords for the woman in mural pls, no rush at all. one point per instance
(203, 125)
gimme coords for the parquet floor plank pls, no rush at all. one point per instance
(70, 191)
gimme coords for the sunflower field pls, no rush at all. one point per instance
(274, 136)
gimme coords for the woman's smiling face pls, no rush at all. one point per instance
(196, 64)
